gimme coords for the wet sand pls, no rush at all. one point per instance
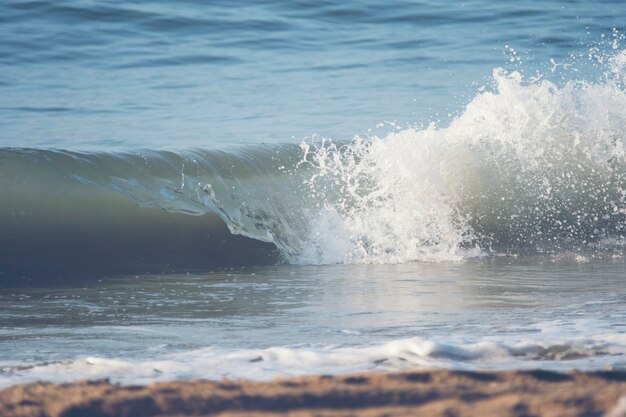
(428, 393)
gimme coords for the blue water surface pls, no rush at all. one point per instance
(111, 75)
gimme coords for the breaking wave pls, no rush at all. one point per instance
(531, 166)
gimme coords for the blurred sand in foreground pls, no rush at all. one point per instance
(427, 393)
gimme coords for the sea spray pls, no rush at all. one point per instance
(528, 166)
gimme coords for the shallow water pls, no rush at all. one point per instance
(309, 187)
(287, 320)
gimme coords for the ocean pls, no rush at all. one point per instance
(247, 189)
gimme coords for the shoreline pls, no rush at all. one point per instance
(425, 392)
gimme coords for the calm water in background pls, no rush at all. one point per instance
(106, 84)
(154, 74)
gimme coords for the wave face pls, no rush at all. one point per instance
(529, 167)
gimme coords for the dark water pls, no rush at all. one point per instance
(249, 189)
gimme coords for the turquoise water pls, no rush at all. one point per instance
(252, 189)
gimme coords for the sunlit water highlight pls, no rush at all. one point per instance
(290, 320)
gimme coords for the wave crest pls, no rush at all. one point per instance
(530, 166)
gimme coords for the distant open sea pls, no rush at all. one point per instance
(262, 188)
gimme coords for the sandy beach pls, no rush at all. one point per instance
(428, 393)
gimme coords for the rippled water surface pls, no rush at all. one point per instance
(87, 74)
(262, 322)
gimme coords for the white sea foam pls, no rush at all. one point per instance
(414, 353)
(530, 166)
